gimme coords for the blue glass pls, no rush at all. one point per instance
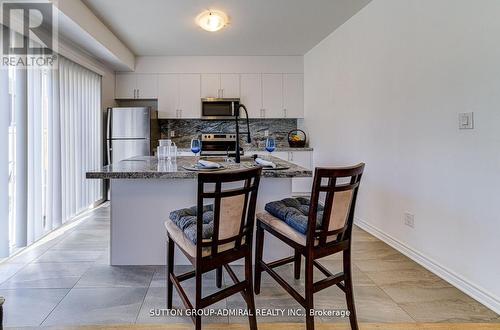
(195, 146)
(270, 145)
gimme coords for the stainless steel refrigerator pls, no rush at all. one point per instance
(130, 132)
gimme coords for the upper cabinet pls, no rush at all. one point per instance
(266, 95)
(189, 96)
(230, 85)
(272, 96)
(210, 85)
(147, 86)
(223, 85)
(251, 93)
(179, 96)
(293, 95)
(136, 86)
(168, 96)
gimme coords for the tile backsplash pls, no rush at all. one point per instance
(186, 129)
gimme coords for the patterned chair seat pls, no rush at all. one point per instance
(290, 216)
(182, 228)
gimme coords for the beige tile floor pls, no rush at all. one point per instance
(67, 281)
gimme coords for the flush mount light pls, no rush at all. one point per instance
(212, 20)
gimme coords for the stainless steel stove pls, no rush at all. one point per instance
(218, 144)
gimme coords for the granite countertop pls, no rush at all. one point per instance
(148, 167)
(255, 149)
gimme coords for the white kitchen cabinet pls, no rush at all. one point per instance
(136, 86)
(223, 85)
(293, 95)
(272, 95)
(189, 96)
(302, 158)
(168, 96)
(210, 85)
(251, 93)
(179, 96)
(300, 186)
(147, 86)
(125, 85)
(230, 85)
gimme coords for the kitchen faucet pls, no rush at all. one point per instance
(249, 140)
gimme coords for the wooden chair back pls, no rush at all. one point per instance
(336, 189)
(234, 197)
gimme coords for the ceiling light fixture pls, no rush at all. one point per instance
(212, 20)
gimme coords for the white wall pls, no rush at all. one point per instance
(386, 88)
(219, 64)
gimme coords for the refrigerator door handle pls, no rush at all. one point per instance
(109, 149)
(109, 112)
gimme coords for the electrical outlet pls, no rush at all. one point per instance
(466, 120)
(172, 134)
(266, 133)
(409, 220)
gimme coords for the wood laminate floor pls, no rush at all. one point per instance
(66, 283)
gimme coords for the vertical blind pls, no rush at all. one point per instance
(51, 126)
(80, 97)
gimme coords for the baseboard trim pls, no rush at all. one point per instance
(449, 276)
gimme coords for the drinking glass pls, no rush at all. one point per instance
(195, 146)
(270, 145)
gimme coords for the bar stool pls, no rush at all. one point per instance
(234, 196)
(329, 225)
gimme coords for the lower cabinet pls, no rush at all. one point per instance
(300, 186)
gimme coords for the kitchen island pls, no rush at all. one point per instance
(144, 191)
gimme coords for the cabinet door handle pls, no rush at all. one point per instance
(291, 156)
(134, 93)
(262, 113)
(137, 93)
(222, 92)
(284, 113)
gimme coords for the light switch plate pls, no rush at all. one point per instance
(466, 120)
(409, 219)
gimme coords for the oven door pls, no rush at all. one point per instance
(213, 108)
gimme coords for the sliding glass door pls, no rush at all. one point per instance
(80, 95)
(51, 135)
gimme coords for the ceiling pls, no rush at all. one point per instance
(257, 27)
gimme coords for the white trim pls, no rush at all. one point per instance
(446, 274)
(81, 57)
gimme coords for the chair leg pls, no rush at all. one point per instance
(296, 265)
(309, 293)
(259, 245)
(170, 270)
(349, 291)
(197, 321)
(249, 292)
(218, 277)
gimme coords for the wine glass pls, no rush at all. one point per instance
(195, 146)
(270, 145)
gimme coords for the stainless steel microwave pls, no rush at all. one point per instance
(219, 108)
